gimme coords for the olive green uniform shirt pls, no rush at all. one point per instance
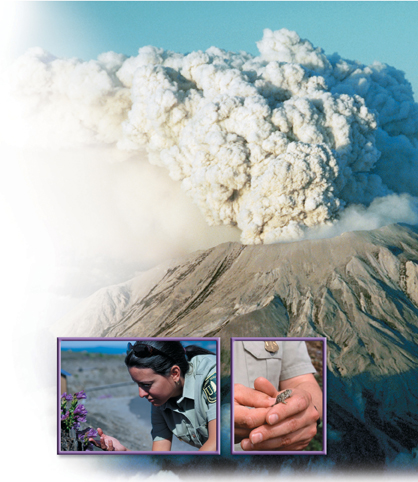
(188, 416)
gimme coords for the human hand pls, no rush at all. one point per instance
(246, 419)
(108, 443)
(289, 426)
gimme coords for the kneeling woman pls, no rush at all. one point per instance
(180, 383)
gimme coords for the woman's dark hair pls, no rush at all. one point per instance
(160, 356)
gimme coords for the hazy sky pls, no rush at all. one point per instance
(363, 31)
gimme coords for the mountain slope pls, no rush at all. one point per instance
(358, 290)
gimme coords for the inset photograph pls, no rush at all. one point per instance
(279, 395)
(130, 396)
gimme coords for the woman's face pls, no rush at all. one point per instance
(157, 389)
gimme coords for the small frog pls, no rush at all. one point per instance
(281, 397)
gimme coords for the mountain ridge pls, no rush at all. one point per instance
(358, 290)
(311, 278)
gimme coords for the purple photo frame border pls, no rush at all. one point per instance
(324, 396)
(130, 339)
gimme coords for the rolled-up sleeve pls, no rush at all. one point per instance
(160, 430)
(296, 360)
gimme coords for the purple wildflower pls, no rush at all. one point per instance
(85, 436)
(80, 418)
(92, 433)
(64, 416)
(80, 395)
(66, 396)
(80, 410)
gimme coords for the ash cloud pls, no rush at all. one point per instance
(280, 144)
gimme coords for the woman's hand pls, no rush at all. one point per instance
(108, 443)
(289, 426)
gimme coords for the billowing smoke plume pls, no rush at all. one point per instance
(273, 144)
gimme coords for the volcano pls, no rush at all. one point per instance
(359, 290)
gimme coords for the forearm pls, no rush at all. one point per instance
(210, 444)
(161, 446)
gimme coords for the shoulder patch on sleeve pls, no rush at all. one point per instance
(209, 388)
